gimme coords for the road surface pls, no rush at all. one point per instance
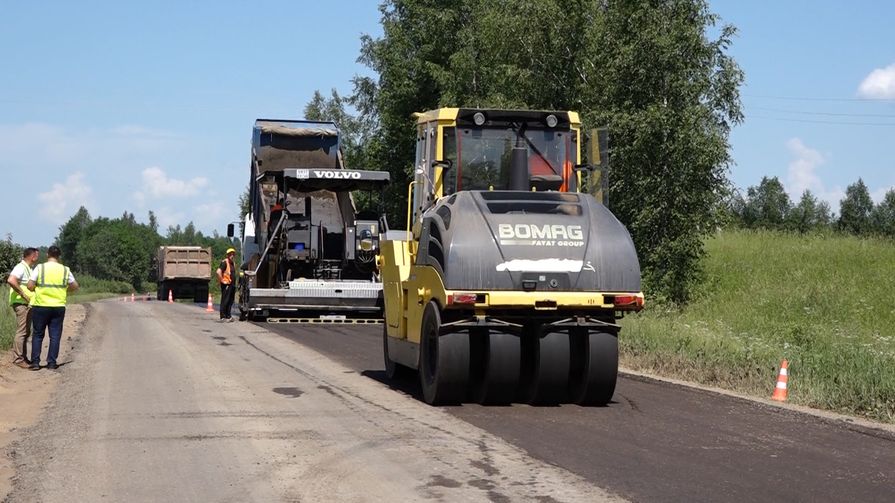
(662, 442)
(161, 402)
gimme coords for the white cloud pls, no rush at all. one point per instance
(803, 174)
(157, 184)
(879, 84)
(879, 194)
(168, 217)
(109, 163)
(803, 168)
(213, 217)
(207, 218)
(63, 199)
(211, 212)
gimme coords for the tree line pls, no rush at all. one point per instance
(768, 206)
(657, 73)
(116, 249)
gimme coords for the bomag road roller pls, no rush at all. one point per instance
(508, 282)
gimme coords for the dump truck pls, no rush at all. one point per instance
(309, 253)
(183, 272)
(509, 280)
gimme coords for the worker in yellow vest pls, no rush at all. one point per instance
(19, 300)
(50, 282)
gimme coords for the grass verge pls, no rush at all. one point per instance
(825, 303)
(7, 319)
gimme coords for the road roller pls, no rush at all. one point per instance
(508, 282)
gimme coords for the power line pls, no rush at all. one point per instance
(810, 121)
(833, 114)
(806, 98)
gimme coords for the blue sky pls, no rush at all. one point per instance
(124, 106)
(819, 95)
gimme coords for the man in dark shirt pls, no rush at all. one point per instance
(227, 277)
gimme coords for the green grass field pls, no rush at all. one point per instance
(7, 319)
(826, 303)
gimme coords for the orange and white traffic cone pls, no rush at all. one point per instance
(782, 379)
(210, 308)
(170, 296)
(133, 297)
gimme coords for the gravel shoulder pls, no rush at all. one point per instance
(24, 394)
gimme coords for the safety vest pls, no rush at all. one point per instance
(227, 273)
(14, 297)
(51, 281)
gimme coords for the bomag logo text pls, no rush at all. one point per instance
(540, 235)
(343, 175)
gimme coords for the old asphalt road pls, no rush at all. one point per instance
(159, 402)
(662, 442)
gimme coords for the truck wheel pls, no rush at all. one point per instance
(546, 360)
(595, 366)
(496, 358)
(160, 294)
(444, 360)
(393, 369)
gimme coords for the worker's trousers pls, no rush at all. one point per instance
(23, 332)
(44, 319)
(227, 294)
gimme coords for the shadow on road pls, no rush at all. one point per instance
(408, 385)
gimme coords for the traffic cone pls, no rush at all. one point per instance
(170, 297)
(780, 390)
(210, 308)
(133, 297)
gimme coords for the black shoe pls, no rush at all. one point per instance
(52, 366)
(34, 366)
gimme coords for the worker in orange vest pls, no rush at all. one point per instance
(227, 277)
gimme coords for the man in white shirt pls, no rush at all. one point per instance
(19, 300)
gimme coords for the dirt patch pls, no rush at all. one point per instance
(24, 393)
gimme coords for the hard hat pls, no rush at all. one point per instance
(231, 250)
